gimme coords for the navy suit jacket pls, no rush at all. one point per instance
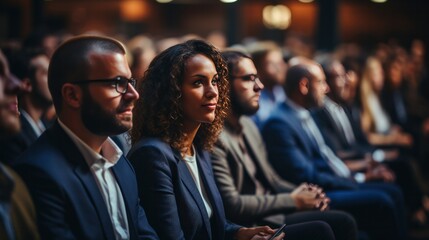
(294, 155)
(16, 144)
(170, 196)
(68, 202)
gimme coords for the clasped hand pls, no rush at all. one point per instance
(310, 196)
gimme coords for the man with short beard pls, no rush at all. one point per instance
(82, 185)
(31, 67)
(17, 214)
(251, 191)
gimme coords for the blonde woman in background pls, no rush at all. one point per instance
(374, 119)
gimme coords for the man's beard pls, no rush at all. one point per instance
(241, 108)
(100, 121)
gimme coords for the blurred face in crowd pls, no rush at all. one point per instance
(317, 86)
(338, 81)
(105, 111)
(394, 72)
(376, 74)
(199, 91)
(273, 71)
(142, 61)
(350, 87)
(9, 88)
(40, 90)
(245, 88)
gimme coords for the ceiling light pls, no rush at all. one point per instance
(276, 17)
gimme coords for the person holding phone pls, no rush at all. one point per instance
(184, 99)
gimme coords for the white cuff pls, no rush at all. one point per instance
(360, 177)
(378, 155)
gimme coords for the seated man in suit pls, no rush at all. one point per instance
(31, 67)
(251, 191)
(337, 130)
(339, 133)
(17, 214)
(82, 185)
(298, 152)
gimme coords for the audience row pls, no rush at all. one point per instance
(227, 143)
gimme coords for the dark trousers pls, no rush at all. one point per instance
(343, 224)
(316, 230)
(377, 207)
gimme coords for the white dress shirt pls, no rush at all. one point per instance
(191, 163)
(38, 127)
(100, 165)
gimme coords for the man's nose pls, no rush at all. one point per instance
(131, 93)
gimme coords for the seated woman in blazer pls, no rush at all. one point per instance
(178, 117)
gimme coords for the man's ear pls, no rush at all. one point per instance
(304, 85)
(26, 85)
(72, 95)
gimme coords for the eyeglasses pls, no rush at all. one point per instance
(121, 83)
(248, 77)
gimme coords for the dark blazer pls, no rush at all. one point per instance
(294, 155)
(68, 202)
(238, 187)
(353, 113)
(16, 144)
(170, 196)
(335, 138)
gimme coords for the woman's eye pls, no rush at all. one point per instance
(215, 81)
(198, 83)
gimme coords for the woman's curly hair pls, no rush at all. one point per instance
(159, 110)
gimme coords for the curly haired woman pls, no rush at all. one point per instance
(184, 99)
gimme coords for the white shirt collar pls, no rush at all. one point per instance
(302, 113)
(38, 127)
(110, 152)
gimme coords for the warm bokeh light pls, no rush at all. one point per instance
(379, 1)
(276, 17)
(306, 1)
(133, 10)
(228, 1)
(164, 1)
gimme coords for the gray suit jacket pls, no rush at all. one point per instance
(237, 187)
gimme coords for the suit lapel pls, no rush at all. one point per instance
(93, 192)
(339, 132)
(27, 131)
(189, 183)
(122, 173)
(256, 153)
(211, 191)
(236, 150)
(254, 147)
(82, 171)
(292, 119)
